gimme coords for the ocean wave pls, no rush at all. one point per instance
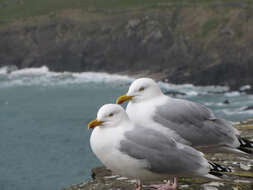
(232, 94)
(3, 70)
(44, 77)
(192, 90)
(212, 95)
(7, 69)
(245, 87)
(217, 104)
(238, 111)
(10, 76)
(31, 72)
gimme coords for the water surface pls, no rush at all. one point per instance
(44, 141)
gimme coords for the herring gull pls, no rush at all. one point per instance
(194, 124)
(134, 151)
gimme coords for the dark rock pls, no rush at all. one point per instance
(217, 92)
(226, 102)
(248, 108)
(99, 172)
(174, 93)
(106, 181)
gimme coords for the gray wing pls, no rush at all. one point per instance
(195, 123)
(163, 154)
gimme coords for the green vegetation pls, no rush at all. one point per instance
(242, 174)
(244, 127)
(209, 26)
(30, 8)
(18, 9)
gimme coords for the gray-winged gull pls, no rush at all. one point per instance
(193, 123)
(142, 153)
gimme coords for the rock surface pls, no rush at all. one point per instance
(248, 108)
(182, 43)
(240, 179)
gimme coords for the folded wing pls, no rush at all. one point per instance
(163, 154)
(196, 123)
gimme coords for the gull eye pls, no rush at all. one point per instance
(110, 115)
(141, 89)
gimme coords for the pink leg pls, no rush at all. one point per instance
(138, 185)
(171, 185)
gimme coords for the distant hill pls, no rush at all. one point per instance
(11, 10)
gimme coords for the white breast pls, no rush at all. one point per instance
(105, 145)
(142, 112)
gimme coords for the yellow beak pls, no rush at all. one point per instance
(94, 124)
(123, 99)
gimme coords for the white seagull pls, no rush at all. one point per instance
(143, 153)
(194, 124)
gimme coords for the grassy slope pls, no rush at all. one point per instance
(18, 9)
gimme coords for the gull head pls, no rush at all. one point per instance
(140, 90)
(109, 115)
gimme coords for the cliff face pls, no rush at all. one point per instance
(200, 44)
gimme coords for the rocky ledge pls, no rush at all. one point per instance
(240, 179)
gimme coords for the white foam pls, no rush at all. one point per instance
(232, 94)
(217, 104)
(237, 112)
(208, 103)
(31, 71)
(191, 90)
(44, 77)
(7, 69)
(11, 77)
(245, 87)
(3, 70)
(220, 104)
(102, 77)
(192, 93)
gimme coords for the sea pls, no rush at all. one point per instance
(44, 139)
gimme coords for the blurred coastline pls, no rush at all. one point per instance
(198, 42)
